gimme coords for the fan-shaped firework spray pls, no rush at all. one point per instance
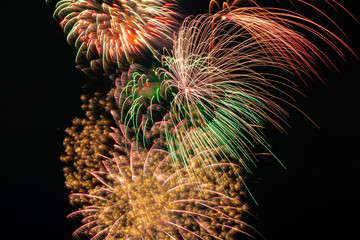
(215, 72)
(163, 153)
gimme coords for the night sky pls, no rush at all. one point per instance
(316, 197)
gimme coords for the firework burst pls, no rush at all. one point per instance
(162, 155)
(111, 34)
(142, 197)
(130, 189)
(218, 73)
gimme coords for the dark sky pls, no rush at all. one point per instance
(317, 197)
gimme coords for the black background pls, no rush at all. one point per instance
(317, 197)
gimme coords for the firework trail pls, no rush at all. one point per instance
(162, 153)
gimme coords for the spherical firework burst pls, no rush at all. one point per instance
(142, 197)
(113, 33)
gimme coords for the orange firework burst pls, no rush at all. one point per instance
(113, 33)
(140, 196)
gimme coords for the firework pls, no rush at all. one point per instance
(142, 197)
(139, 103)
(88, 138)
(126, 186)
(162, 153)
(111, 34)
(219, 75)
